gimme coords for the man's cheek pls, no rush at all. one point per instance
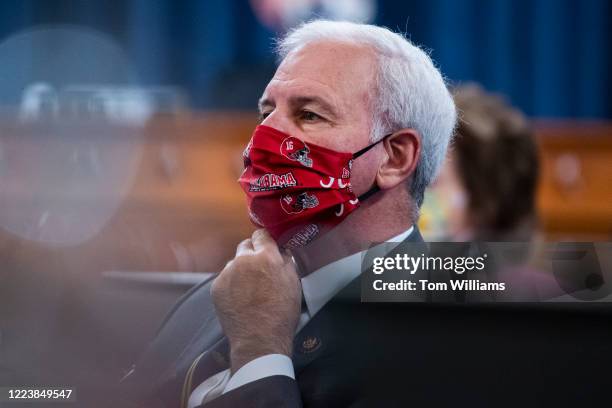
(363, 173)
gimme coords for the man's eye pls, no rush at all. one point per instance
(263, 116)
(310, 116)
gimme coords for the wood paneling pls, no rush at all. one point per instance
(575, 190)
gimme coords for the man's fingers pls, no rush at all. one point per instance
(263, 241)
(244, 247)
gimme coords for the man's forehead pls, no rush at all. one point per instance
(336, 70)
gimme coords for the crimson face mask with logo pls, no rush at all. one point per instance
(297, 191)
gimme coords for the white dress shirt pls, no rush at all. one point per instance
(318, 288)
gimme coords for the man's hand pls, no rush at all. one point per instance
(258, 296)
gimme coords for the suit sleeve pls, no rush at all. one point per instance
(276, 391)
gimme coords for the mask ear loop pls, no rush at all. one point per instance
(375, 189)
(367, 148)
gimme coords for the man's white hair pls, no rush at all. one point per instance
(410, 91)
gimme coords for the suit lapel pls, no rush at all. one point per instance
(316, 338)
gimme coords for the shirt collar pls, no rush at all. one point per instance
(323, 284)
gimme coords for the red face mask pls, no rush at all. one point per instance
(297, 191)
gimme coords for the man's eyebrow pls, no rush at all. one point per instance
(299, 101)
(263, 102)
(326, 107)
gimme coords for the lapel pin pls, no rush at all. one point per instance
(310, 344)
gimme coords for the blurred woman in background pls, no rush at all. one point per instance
(486, 191)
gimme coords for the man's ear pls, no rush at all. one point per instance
(403, 150)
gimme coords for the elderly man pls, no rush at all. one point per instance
(355, 124)
(340, 87)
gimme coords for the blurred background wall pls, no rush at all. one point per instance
(550, 57)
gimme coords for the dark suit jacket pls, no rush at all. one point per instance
(409, 354)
